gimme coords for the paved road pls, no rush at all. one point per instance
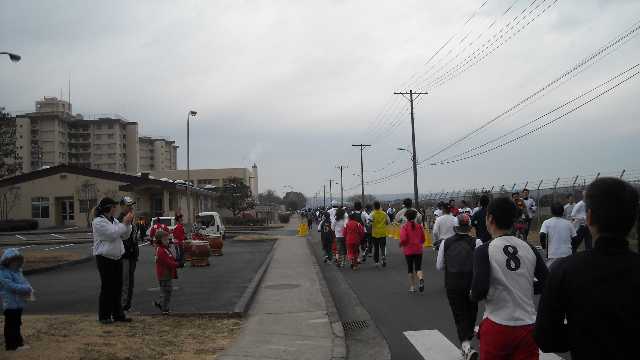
(383, 293)
(82, 248)
(43, 237)
(207, 289)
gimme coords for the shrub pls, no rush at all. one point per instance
(18, 225)
(284, 217)
(243, 221)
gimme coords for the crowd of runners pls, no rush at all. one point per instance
(590, 300)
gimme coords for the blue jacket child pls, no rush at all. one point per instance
(14, 289)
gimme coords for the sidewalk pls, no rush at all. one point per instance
(288, 319)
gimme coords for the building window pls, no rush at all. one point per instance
(110, 126)
(87, 205)
(40, 208)
(110, 136)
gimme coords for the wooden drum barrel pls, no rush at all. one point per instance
(216, 244)
(199, 253)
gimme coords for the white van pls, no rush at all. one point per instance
(210, 223)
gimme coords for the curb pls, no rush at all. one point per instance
(58, 266)
(339, 351)
(242, 307)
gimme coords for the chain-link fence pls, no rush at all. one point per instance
(544, 191)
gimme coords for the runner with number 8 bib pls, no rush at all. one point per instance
(506, 273)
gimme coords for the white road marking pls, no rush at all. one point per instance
(432, 345)
(59, 247)
(24, 247)
(58, 236)
(21, 237)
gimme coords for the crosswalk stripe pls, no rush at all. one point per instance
(432, 345)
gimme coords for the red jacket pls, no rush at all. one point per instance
(166, 265)
(353, 232)
(156, 227)
(178, 234)
(411, 238)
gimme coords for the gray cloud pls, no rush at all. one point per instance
(291, 85)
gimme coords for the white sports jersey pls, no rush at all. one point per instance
(508, 266)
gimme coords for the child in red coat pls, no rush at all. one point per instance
(354, 233)
(166, 270)
(411, 242)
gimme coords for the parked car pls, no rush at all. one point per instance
(170, 221)
(210, 223)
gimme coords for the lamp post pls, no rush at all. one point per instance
(189, 114)
(13, 57)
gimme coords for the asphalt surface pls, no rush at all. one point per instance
(58, 236)
(384, 294)
(82, 248)
(214, 289)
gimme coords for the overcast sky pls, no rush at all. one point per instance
(291, 85)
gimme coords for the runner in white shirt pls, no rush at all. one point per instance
(568, 207)
(579, 216)
(444, 226)
(557, 235)
(505, 271)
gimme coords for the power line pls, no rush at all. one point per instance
(542, 116)
(539, 127)
(617, 40)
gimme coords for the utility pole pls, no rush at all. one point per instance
(362, 146)
(324, 196)
(341, 167)
(413, 96)
(330, 193)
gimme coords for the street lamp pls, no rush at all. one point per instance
(13, 57)
(189, 114)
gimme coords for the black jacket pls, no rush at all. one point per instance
(598, 292)
(478, 220)
(131, 249)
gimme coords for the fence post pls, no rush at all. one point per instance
(555, 186)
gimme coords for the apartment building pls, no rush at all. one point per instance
(157, 154)
(52, 135)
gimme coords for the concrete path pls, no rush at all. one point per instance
(288, 319)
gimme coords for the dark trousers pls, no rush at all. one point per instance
(128, 281)
(582, 234)
(109, 306)
(180, 254)
(379, 248)
(464, 312)
(365, 244)
(327, 241)
(12, 322)
(527, 227)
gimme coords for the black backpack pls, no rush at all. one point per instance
(458, 253)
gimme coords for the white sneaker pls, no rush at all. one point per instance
(23, 348)
(472, 355)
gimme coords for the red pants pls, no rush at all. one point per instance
(502, 342)
(353, 251)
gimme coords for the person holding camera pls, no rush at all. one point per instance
(131, 253)
(108, 248)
